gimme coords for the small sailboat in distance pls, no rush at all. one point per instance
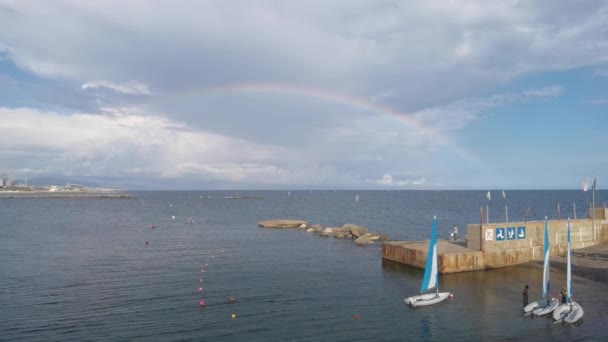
(431, 277)
(585, 184)
(545, 305)
(571, 311)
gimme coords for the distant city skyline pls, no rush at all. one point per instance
(305, 95)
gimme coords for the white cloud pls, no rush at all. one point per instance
(130, 87)
(400, 180)
(363, 48)
(122, 145)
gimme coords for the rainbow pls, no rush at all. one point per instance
(342, 99)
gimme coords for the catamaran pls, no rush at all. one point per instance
(545, 305)
(431, 277)
(571, 311)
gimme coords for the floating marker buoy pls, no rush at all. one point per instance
(451, 295)
(201, 280)
(357, 317)
(202, 271)
(231, 300)
(202, 303)
(233, 315)
(146, 242)
(173, 217)
(200, 289)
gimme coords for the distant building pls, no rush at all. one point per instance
(1, 182)
(9, 182)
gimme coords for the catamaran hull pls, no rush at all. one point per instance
(530, 307)
(546, 309)
(426, 299)
(568, 313)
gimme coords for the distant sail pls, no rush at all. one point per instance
(357, 198)
(586, 185)
(488, 196)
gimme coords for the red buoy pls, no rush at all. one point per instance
(202, 303)
(357, 317)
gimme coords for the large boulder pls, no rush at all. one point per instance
(329, 231)
(340, 234)
(317, 228)
(358, 231)
(364, 239)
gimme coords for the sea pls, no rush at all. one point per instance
(97, 270)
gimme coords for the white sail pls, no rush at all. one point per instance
(586, 185)
(431, 278)
(546, 280)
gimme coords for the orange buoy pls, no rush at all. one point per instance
(202, 303)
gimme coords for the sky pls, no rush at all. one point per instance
(318, 94)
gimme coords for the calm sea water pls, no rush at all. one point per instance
(79, 269)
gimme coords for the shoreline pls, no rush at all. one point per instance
(64, 194)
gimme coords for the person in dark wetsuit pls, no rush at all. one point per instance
(564, 294)
(525, 295)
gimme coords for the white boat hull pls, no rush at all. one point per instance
(530, 307)
(568, 313)
(426, 299)
(546, 309)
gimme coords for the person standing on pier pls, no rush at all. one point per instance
(564, 295)
(525, 295)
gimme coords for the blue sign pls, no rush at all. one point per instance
(511, 233)
(521, 232)
(500, 234)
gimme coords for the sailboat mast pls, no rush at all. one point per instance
(546, 281)
(569, 269)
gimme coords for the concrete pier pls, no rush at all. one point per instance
(451, 257)
(502, 244)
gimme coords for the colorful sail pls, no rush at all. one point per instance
(431, 276)
(569, 270)
(546, 281)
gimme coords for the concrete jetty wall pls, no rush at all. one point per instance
(503, 249)
(502, 244)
